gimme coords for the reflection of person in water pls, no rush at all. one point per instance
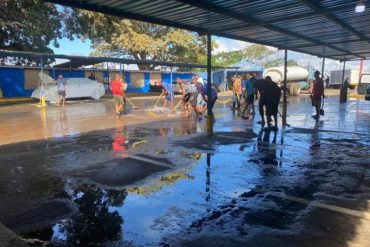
(315, 139)
(119, 143)
(266, 149)
(95, 223)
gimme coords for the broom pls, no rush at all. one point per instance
(175, 108)
(133, 105)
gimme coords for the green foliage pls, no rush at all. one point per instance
(257, 53)
(227, 58)
(279, 62)
(115, 37)
(31, 25)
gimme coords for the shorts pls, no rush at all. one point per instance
(316, 101)
(200, 101)
(187, 97)
(272, 106)
(250, 98)
(62, 93)
(169, 97)
(194, 99)
(118, 99)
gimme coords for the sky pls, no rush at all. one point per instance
(83, 48)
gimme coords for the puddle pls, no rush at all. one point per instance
(166, 184)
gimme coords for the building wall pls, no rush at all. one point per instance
(21, 81)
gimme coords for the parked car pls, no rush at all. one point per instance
(76, 88)
(175, 86)
(364, 84)
(367, 95)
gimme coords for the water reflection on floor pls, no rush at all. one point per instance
(242, 186)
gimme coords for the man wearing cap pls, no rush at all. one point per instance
(317, 92)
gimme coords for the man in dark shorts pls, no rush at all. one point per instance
(272, 102)
(269, 99)
(317, 92)
(203, 92)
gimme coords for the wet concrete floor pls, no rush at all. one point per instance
(79, 176)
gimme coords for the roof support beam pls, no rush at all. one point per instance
(251, 20)
(96, 60)
(333, 43)
(288, 18)
(269, 44)
(317, 7)
(122, 14)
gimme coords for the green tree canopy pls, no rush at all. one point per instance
(279, 62)
(116, 37)
(32, 25)
(255, 53)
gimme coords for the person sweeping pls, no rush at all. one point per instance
(118, 90)
(167, 91)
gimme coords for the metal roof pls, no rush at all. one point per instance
(78, 61)
(325, 28)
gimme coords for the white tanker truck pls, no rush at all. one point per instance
(297, 77)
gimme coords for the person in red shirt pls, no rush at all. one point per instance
(118, 88)
(317, 92)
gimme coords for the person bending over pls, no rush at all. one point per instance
(167, 91)
(203, 92)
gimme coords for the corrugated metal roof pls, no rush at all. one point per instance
(327, 28)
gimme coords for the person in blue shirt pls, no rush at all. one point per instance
(203, 91)
(167, 91)
(250, 94)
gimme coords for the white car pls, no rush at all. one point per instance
(367, 95)
(76, 88)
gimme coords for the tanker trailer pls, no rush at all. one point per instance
(296, 77)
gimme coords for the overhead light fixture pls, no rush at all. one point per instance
(360, 7)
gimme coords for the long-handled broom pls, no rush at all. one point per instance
(177, 105)
(132, 104)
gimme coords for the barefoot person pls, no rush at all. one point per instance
(167, 91)
(62, 88)
(117, 86)
(203, 92)
(317, 93)
(250, 95)
(269, 93)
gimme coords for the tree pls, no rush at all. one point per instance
(257, 53)
(279, 62)
(31, 25)
(227, 58)
(115, 37)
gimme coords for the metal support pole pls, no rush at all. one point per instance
(171, 79)
(322, 68)
(209, 86)
(108, 72)
(42, 65)
(361, 69)
(285, 87)
(343, 88)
